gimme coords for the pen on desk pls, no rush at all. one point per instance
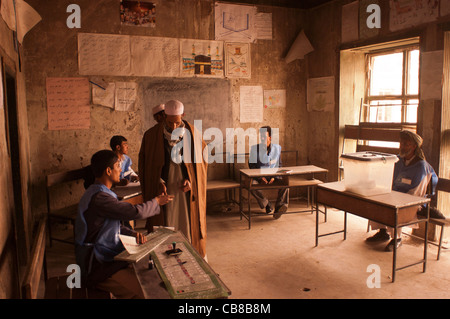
(97, 85)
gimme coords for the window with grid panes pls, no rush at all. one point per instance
(392, 92)
(392, 88)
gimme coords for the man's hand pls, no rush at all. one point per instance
(164, 199)
(264, 180)
(271, 180)
(186, 186)
(140, 238)
(162, 189)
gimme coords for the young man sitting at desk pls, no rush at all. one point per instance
(98, 226)
(412, 174)
(119, 146)
(268, 155)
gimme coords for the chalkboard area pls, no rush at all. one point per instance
(204, 99)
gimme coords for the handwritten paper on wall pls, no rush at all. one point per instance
(251, 104)
(104, 54)
(406, 13)
(68, 103)
(104, 95)
(126, 93)
(155, 56)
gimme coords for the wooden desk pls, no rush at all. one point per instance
(394, 210)
(247, 176)
(129, 193)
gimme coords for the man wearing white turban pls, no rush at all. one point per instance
(158, 113)
(171, 161)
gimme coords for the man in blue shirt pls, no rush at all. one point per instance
(412, 174)
(98, 225)
(268, 155)
(119, 146)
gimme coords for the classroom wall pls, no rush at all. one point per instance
(324, 28)
(50, 50)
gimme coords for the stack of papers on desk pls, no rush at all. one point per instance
(134, 252)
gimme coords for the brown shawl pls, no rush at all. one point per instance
(151, 162)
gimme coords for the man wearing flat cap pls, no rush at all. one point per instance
(412, 174)
(171, 162)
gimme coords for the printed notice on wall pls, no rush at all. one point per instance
(320, 94)
(251, 104)
(103, 54)
(68, 102)
(263, 25)
(126, 93)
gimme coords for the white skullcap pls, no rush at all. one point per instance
(174, 107)
(158, 108)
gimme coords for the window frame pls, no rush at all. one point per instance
(404, 97)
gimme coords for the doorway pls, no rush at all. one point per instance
(13, 148)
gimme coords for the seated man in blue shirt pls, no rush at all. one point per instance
(119, 145)
(412, 174)
(268, 155)
(98, 225)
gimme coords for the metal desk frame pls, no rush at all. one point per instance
(250, 174)
(334, 195)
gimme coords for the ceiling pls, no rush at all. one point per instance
(301, 4)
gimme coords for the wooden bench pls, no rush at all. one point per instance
(55, 287)
(443, 186)
(229, 185)
(30, 285)
(69, 212)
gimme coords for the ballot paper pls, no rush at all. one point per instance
(129, 242)
(134, 252)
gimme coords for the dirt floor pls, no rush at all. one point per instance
(277, 259)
